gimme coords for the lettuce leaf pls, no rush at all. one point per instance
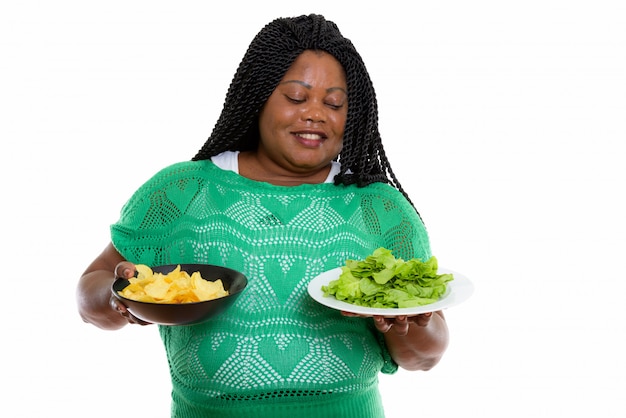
(383, 281)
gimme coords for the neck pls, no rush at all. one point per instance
(250, 167)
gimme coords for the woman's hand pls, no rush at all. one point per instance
(125, 270)
(96, 304)
(414, 342)
(399, 324)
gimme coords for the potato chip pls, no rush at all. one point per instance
(176, 286)
(143, 271)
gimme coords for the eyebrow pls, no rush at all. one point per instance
(308, 86)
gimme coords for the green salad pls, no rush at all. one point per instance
(384, 281)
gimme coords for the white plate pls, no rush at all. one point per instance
(458, 290)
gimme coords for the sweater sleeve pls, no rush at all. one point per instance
(151, 211)
(388, 214)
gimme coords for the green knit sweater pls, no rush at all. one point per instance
(276, 352)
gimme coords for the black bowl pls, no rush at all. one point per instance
(186, 313)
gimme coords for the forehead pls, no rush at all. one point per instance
(317, 65)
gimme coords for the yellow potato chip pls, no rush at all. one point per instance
(143, 271)
(175, 287)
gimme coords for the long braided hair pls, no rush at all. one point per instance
(269, 56)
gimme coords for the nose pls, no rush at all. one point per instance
(314, 112)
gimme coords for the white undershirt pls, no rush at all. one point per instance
(229, 160)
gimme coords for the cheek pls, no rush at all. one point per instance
(336, 146)
(339, 123)
(276, 120)
(267, 124)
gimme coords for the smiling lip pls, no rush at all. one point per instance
(310, 139)
(310, 136)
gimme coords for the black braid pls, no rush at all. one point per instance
(269, 56)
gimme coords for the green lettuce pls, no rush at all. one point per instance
(383, 281)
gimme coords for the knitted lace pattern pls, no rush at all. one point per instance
(275, 351)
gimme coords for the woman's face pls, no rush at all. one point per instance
(303, 121)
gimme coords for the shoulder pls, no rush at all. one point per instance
(388, 212)
(386, 193)
(185, 170)
(170, 180)
(383, 199)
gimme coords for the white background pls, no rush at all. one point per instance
(503, 120)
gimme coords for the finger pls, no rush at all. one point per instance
(134, 320)
(350, 314)
(116, 305)
(423, 319)
(124, 270)
(123, 311)
(401, 325)
(120, 308)
(382, 324)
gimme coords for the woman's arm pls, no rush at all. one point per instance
(93, 294)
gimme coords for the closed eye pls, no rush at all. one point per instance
(334, 106)
(294, 100)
